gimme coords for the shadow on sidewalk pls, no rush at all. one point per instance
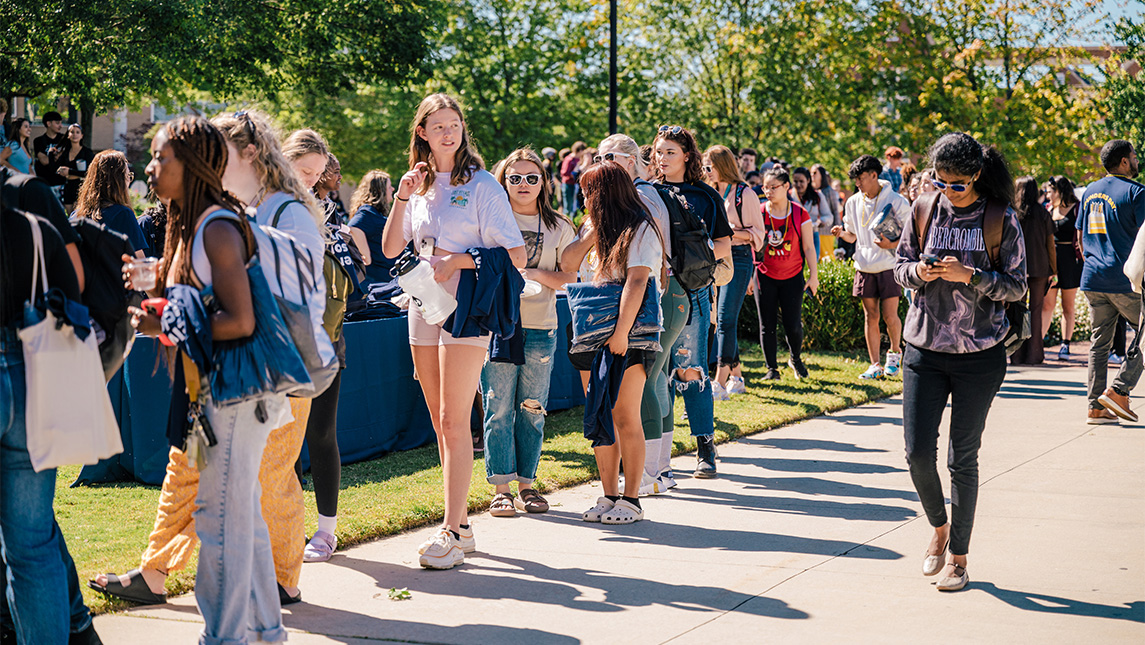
(683, 536)
(342, 626)
(1133, 612)
(490, 577)
(813, 465)
(789, 443)
(865, 511)
(817, 486)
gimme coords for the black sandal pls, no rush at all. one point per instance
(285, 599)
(135, 591)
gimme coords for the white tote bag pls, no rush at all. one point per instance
(68, 415)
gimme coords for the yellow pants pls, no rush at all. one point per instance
(173, 540)
(826, 246)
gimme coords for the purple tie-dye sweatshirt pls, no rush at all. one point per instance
(952, 317)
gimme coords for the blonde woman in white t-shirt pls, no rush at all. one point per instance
(447, 204)
(515, 396)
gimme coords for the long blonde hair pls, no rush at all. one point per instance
(372, 190)
(724, 162)
(545, 209)
(275, 174)
(465, 161)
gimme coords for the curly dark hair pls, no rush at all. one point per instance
(684, 138)
(961, 154)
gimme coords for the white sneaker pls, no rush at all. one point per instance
(736, 385)
(441, 551)
(651, 485)
(719, 393)
(894, 363)
(603, 505)
(668, 478)
(467, 543)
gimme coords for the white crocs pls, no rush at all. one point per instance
(623, 512)
(603, 505)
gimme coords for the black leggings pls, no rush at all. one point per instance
(969, 382)
(322, 441)
(771, 296)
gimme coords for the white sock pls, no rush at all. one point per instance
(665, 461)
(327, 524)
(651, 457)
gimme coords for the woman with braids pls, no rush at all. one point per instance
(676, 161)
(628, 249)
(260, 176)
(447, 204)
(104, 198)
(954, 332)
(209, 244)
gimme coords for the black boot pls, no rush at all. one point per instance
(706, 457)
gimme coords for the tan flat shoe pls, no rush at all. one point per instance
(932, 564)
(956, 582)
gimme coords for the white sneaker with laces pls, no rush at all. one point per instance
(875, 371)
(719, 393)
(894, 363)
(650, 485)
(668, 478)
(736, 385)
(441, 551)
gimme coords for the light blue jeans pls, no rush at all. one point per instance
(29, 536)
(235, 584)
(690, 351)
(515, 398)
(729, 302)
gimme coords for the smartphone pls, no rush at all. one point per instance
(928, 259)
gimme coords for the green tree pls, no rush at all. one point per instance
(1125, 83)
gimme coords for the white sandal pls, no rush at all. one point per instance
(623, 512)
(603, 505)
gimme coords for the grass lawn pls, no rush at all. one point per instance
(106, 526)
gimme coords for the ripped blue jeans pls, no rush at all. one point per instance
(690, 352)
(514, 398)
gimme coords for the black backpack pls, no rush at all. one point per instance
(693, 259)
(101, 251)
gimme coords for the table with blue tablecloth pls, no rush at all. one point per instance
(380, 407)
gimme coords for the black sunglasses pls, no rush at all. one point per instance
(609, 156)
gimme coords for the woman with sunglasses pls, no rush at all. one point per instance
(788, 246)
(746, 219)
(515, 396)
(954, 332)
(677, 166)
(104, 197)
(448, 203)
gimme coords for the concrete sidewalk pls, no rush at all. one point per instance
(812, 533)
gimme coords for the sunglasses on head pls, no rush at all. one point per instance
(958, 188)
(670, 129)
(609, 156)
(247, 121)
(532, 179)
(707, 169)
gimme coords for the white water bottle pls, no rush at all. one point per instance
(415, 277)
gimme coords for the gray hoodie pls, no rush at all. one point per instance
(952, 317)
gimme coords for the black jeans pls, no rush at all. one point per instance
(970, 382)
(322, 441)
(770, 297)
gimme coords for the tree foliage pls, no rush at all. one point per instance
(1127, 91)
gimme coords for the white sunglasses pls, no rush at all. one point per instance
(532, 179)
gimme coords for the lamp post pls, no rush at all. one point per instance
(612, 68)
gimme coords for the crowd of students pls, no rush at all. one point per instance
(671, 241)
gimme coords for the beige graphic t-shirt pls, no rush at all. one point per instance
(543, 248)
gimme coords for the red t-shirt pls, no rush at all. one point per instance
(783, 247)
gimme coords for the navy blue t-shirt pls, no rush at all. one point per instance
(708, 204)
(372, 223)
(1112, 210)
(121, 219)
